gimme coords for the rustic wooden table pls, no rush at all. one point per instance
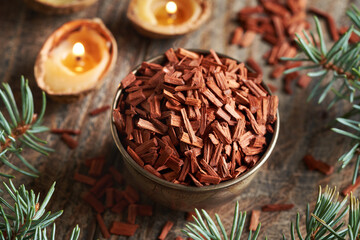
(284, 179)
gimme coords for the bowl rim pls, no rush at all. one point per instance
(181, 187)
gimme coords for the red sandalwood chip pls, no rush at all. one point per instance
(165, 230)
(277, 207)
(70, 141)
(123, 229)
(254, 221)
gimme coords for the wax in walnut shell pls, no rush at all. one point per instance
(59, 6)
(166, 19)
(75, 59)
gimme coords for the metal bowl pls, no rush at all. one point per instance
(177, 196)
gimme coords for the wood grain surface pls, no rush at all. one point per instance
(284, 179)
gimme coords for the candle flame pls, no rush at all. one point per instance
(78, 49)
(171, 7)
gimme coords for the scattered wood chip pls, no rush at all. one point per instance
(304, 81)
(354, 38)
(132, 212)
(99, 110)
(237, 36)
(254, 65)
(96, 166)
(189, 216)
(254, 221)
(247, 38)
(62, 131)
(277, 207)
(329, 20)
(109, 202)
(70, 141)
(351, 187)
(117, 176)
(144, 210)
(131, 195)
(119, 207)
(123, 229)
(313, 164)
(103, 228)
(165, 230)
(100, 186)
(94, 202)
(84, 179)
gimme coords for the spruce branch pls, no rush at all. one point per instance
(205, 228)
(42, 234)
(325, 222)
(354, 218)
(341, 65)
(21, 127)
(25, 217)
(354, 15)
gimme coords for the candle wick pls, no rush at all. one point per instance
(78, 58)
(172, 15)
(171, 9)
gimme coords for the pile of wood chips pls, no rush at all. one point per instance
(277, 22)
(110, 191)
(196, 119)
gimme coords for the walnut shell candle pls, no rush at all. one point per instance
(59, 6)
(75, 58)
(166, 19)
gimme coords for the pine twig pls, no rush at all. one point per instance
(21, 127)
(342, 63)
(354, 218)
(26, 217)
(325, 222)
(205, 228)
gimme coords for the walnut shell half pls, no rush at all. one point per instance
(57, 83)
(201, 11)
(53, 7)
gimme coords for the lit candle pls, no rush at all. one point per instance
(166, 18)
(78, 51)
(169, 14)
(77, 60)
(67, 70)
(74, 62)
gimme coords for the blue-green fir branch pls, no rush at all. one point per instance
(21, 127)
(326, 222)
(204, 228)
(22, 216)
(337, 71)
